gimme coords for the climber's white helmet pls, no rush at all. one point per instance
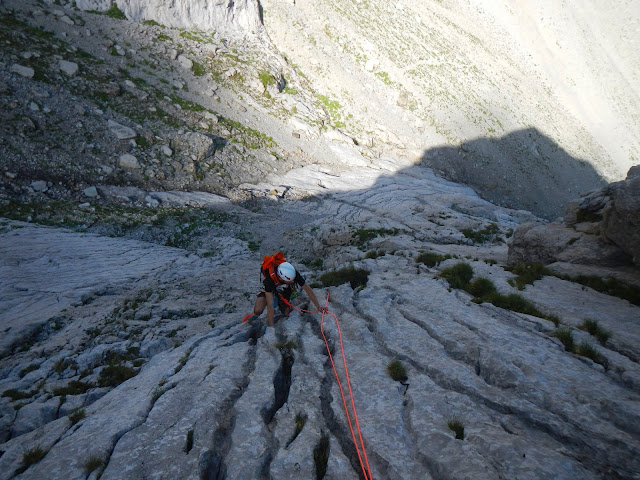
(286, 272)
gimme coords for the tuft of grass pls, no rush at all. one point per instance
(455, 424)
(527, 273)
(373, 254)
(31, 457)
(74, 387)
(76, 416)
(565, 336)
(61, 365)
(114, 375)
(592, 327)
(517, 303)
(321, 457)
(93, 463)
(458, 276)
(481, 288)
(14, 394)
(198, 69)
(586, 349)
(431, 259)
(28, 369)
(397, 371)
(357, 277)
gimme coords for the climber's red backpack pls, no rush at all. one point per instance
(270, 264)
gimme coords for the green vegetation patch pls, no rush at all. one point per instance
(15, 394)
(363, 236)
(431, 259)
(301, 420)
(115, 12)
(609, 286)
(266, 79)
(286, 345)
(527, 273)
(483, 290)
(94, 463)
(321, 456)
(31, 457)
(175, 227)
(456, 425)
(397, 371)
(587, 350)
(373, 254)
(199, 37)
(28, 369)
(198, 69)
(357, 277)
(584, 349)
(152, 23)
(334, 109)
(516, 303)
(487, 234)
(565, 335)
(74, 387)
(114, 375)
(76, 416)
(458, 275)
(592, 327)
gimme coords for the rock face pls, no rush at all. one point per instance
(621, 217)
(123, 278)
(602, 228)
(202, 395)
(228, 16)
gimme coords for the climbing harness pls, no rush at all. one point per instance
(367, 471)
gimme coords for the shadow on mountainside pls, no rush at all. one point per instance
(521, 170)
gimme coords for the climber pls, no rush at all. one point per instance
(280, 285)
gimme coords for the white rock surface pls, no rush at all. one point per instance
(23, 71)
(129, 161)
(227, 400)
(121, 132)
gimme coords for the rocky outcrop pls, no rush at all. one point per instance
(241, 17)
(602, 228)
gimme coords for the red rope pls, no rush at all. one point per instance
(367, 471)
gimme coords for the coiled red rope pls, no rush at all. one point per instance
(359, 445)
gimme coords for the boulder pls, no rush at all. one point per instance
(129, 161)
(39, 186)
(23, 71)
(186, 62)
(195, 143)
(621, 217)
(91, 192)
(120, 131)
(601, 228)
